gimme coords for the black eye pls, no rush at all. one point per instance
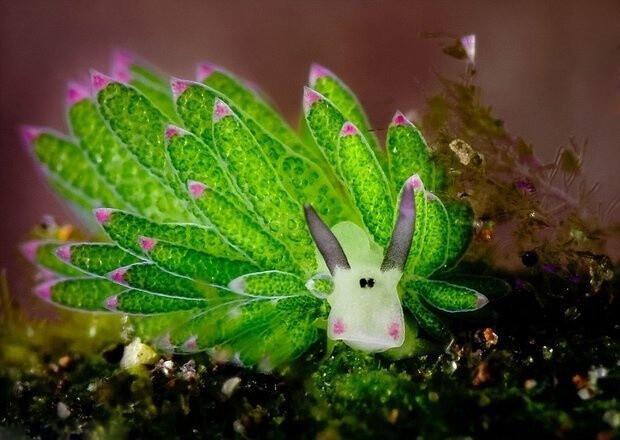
(367, 282)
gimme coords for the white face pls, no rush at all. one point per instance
(366, 312)
(365, 318)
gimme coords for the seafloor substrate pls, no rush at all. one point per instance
(544, 364)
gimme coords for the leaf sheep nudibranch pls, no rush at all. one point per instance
(227, 232)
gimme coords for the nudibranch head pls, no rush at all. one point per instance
(366, 312)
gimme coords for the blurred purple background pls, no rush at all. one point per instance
(549, 69)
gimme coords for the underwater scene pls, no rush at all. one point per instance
(227, 271)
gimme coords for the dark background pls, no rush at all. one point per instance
(550, 69)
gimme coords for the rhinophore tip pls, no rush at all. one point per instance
(98, 81)
(317, 71)
(44, 291)
(399, 119)
(103, 215)
(220, 110)
(64, 253)
(204, 70)
(178, 86)
(310, 98)
(76, 92)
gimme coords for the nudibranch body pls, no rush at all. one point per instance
(215, 211)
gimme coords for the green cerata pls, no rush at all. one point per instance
(228, 231)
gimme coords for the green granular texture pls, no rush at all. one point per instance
(66, 160)
(138, 302)
(323, 286)
(278, 333)
(461, 218)
(77, 199)
(193, 160)
(99, 258)
(273, 283)
(325, 123)
(436, 238)
(259, 182)
(408, 154)
(428, 320)
(245, 233)
(368, 185)
(84, 293)
(301, 177)
(46, 257)
(125, 229)
(160, 97)
(258, 110)
(198, 265)
(348, 104)
(195, 107)
(445, 296)
(133, 183)
(151, 328)
(416, 254)
(289, 335)
(141, 127)
(149, 277)
(221, 323)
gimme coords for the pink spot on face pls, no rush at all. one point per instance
(75, 93)
(196, 189)
(44, 291)
(103, 215)
(98, 81)
(204, 70)
(317, 71)
(348, 129)
(171, 130)
(399, 119)
(112, 302)
(29, 134)
(310, 97)
(220, 110)
(415, 182)
(191, 343)
(431, 197)
(338, 327)
(29, 250)
(64, 253)
(147, 244)
(394, 330)
(118, 275)
(178, 86)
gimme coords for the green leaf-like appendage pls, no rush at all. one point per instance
(448, 297)
(408, 154)
(329, 85)
(204, 192)
(301, 177)
(140, 190)
(269, 283)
